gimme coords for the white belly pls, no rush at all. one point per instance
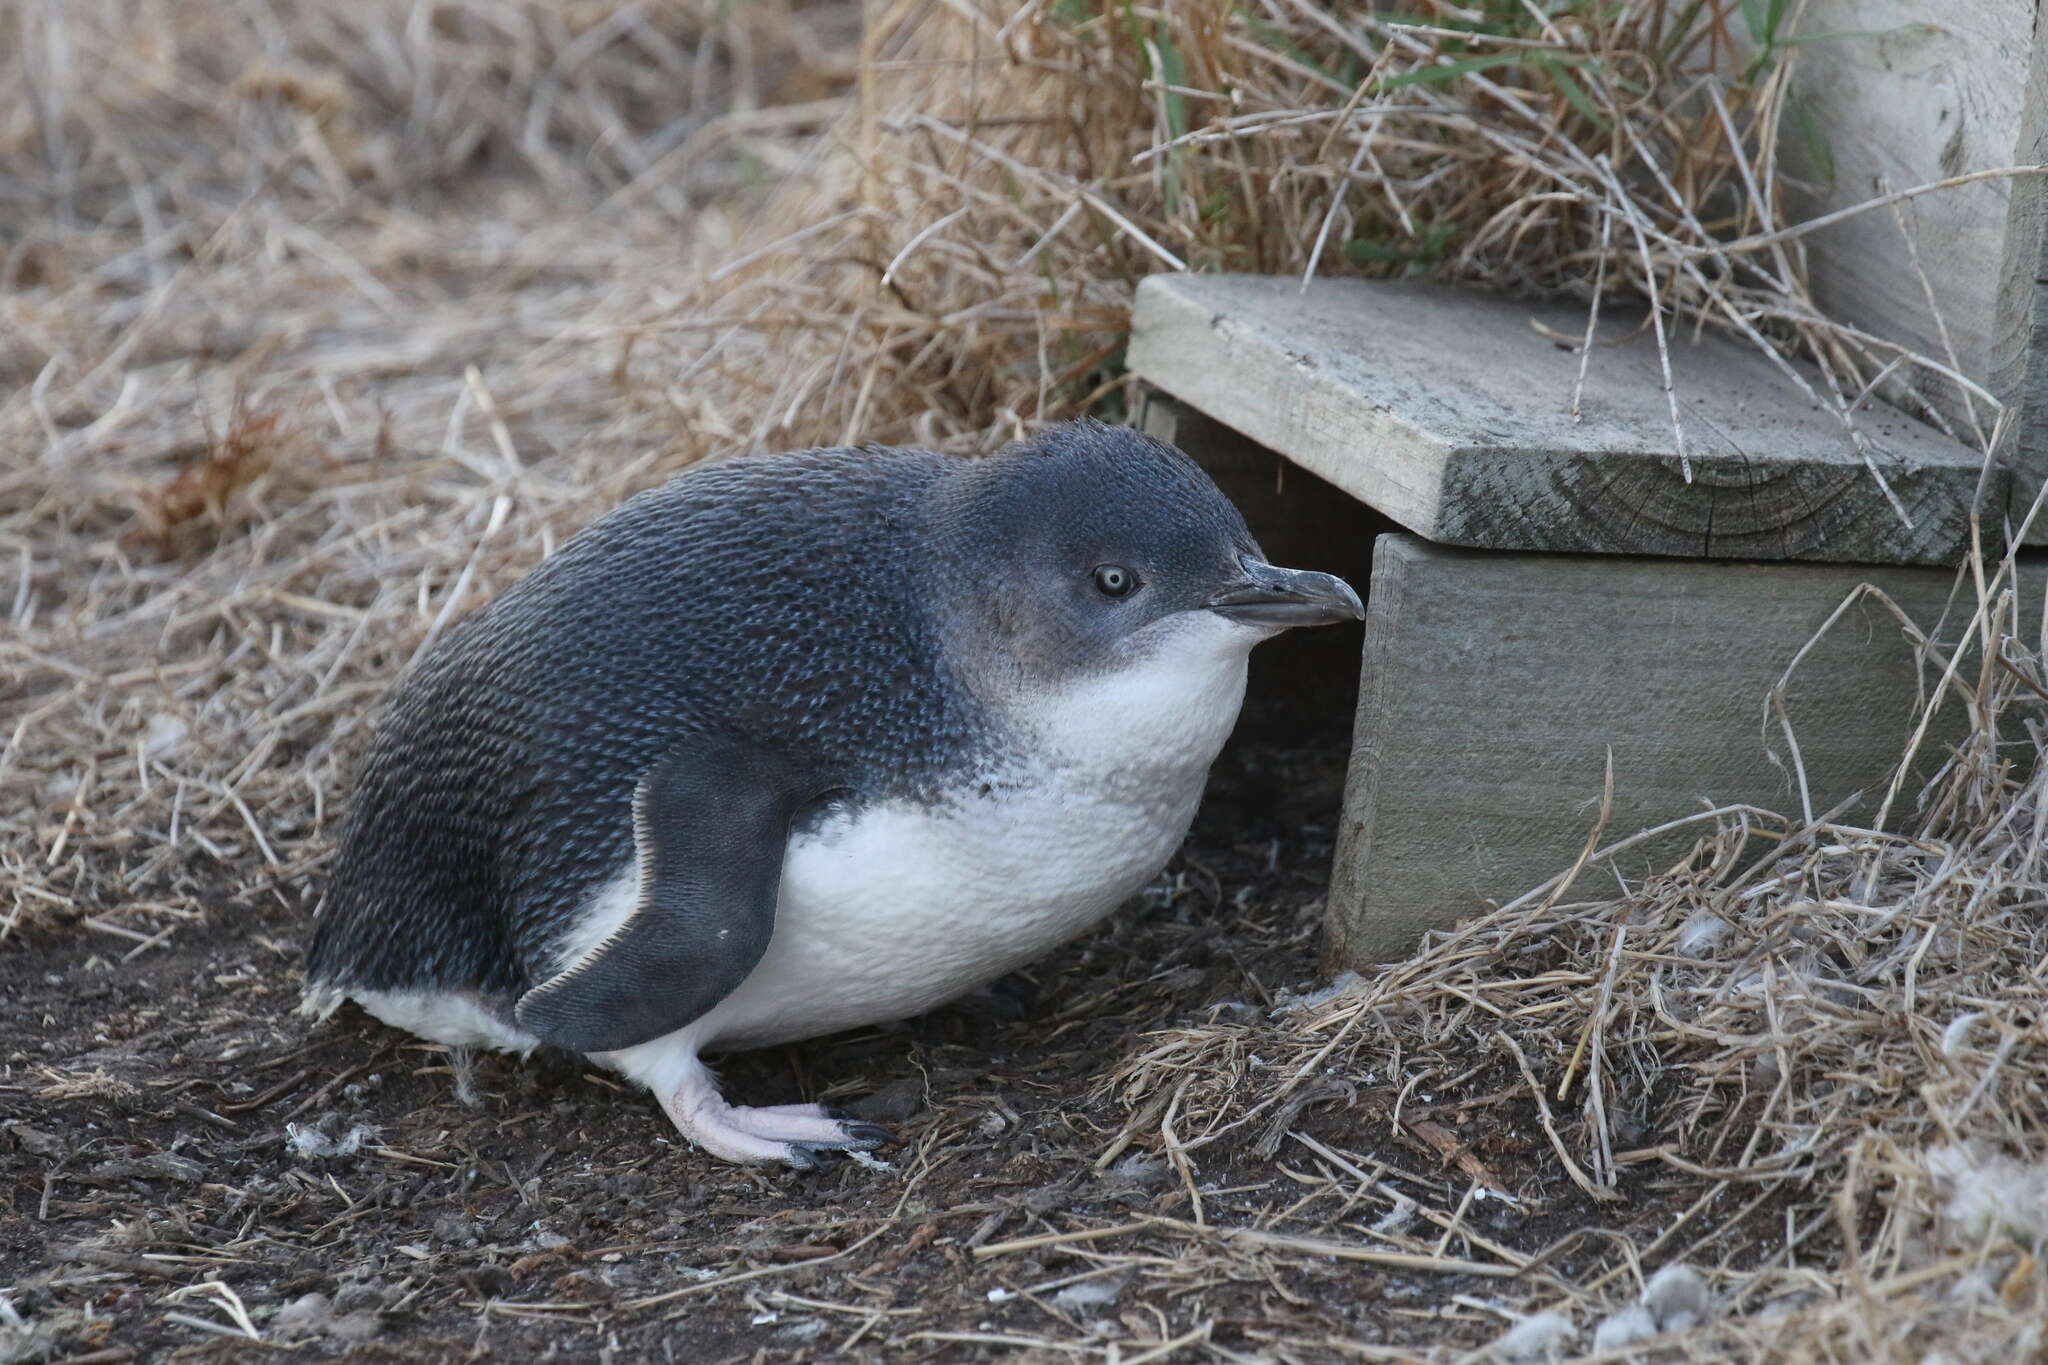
(887, 913)
(900, 909)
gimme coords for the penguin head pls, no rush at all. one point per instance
(1090, 548)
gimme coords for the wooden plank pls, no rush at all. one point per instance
(1449, 411)
(1494, 686)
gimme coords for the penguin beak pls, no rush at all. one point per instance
(1280, 598)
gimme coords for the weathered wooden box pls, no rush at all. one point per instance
(1561, 593)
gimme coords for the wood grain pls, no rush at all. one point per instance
(2019, 372)
(1449, 411)
(1495, 685)
(1906, 93)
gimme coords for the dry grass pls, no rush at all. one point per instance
(319, 323)
(293, 376)
(1831, 1055)
(329, 321)
(966, 268)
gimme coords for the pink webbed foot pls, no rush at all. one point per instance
(792, 1134)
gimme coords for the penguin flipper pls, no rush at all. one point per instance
(711, 825)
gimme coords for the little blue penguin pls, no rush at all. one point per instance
(795, 743)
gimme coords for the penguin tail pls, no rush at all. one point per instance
(319, 1000)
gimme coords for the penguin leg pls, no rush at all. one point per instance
(791, 1134)
(802, 1111)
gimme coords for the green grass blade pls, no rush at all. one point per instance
(1450, 71)
(1574, 94)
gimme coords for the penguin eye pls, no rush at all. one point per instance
(1114, 580)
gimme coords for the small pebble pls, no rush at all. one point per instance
(1677, 1297)
(1538, 1337)
(351, 1298)
(1139, 1169)
(1088, 1294)
(1632, 1324)
(455, 1230)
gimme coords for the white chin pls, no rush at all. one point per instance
(1202, 628)
(1170, 699)
(1238, 628)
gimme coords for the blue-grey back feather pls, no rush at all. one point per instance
(765, 597)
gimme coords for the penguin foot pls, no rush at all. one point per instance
(794, 1135)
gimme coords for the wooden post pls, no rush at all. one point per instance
(2019, 374)
(1891, 94)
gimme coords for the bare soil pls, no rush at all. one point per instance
(149, 1111)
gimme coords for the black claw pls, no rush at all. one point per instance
(860, 1137)
(834, 1111)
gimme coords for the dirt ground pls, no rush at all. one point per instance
(181, 1149)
